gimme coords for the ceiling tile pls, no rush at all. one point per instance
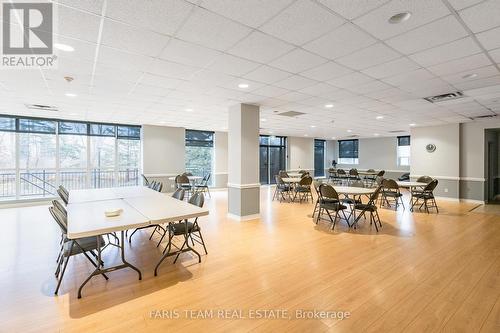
(270, 91)
(232, 65)
(118, 59)
(267, 74)
(93, 6)
(459, 65)
(302, 22)
(418, 75)
(295, 82)
(438, 32)
(160, 81)
(171, 69)
(318, 89)
(461, 4)
(490, 39)
(454, 50)
(480, 73)
(398, 66)
(483, 16)
(163, 16)
(135, 40)
(352, 9)
(76, 24)
(297, 61)
(341, 41)
(350, 80)
(423, 11)
(211, 30)
(495, 54)
(260, 47)
(188, 53)
(327, 71)
(367, 57)
(250, 12)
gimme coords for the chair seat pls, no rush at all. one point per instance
(179, 228)
(424, 195)
(367, 207)
(350, 201)
(303, 189)
(328, 201)
(200, 186)
(392, 194)
(86, 243)
(333, 206)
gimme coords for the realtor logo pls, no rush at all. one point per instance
(27, 34)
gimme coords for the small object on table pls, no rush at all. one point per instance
(113, 213)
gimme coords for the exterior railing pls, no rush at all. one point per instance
(43, 183)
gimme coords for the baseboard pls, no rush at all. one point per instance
(480, 202)
(244, 218)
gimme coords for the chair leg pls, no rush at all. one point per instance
(203, 242)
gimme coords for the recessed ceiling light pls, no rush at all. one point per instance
(469, 76)
(399, 18)
(70, 95)
(306, 135)
(313, 126)
(349, 131)
(64, 47)
(163, 122)
(380, 117)
(412, 124)
(334, 137)
(73, 114)
(243, 85)
(376, 134)
(328, 106)
(263, 119)
(189, 110)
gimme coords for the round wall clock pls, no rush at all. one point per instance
(430, 148)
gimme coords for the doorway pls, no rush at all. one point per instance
(492, 166)
(272, 157)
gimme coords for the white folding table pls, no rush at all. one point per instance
(140, 206)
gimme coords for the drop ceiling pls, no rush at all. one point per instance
(180, 63)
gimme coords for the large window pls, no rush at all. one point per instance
(319, 158)
(199, 152)
(348, 152)
(403, 150)
(36, 155)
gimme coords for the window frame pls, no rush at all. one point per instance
(403, 141)
(354, 159)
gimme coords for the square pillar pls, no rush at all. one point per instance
(243, 162)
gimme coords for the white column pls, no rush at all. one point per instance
(243, 162)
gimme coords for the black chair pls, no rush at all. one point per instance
(190, 231)
(63, 195)
(329, 201)
(341, 175)
(182, 181)
(281, 189)
(156, 185)
(370, 179)
(303, 188)
(370, 207)
(283, 174)
(179, 195)
(353, 174)
(145, 181)
(426, 196)
(404, 177)
(391, 192)
(72, 247)
(203, 185)
(419, 190)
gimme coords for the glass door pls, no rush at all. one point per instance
(272, 157)
(319, 158)
(264, 165)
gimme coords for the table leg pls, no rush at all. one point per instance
(101, 270)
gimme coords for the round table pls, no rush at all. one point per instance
(352, 190)
(291, 179)
(407, 184)
(191, 178)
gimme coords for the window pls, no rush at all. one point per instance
(199, 152)
(403, 150)
(348, 152)
(319, 158)
(36, 155)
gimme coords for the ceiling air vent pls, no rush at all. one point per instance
(290, 114)
(41, 107)
(397, 131)
(445, 97)
(353, 136)
(486, 116)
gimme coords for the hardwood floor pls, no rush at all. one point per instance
(436, 272)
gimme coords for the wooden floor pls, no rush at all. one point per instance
(419, 273)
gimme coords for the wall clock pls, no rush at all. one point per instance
(430, 148)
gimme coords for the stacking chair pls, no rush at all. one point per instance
(187, 174)
(404, 177)
(145, 181)
(329, 201)
(353, 174)
(370, 207)
(72, 247)
(302, 172)
(63, 194)
(203, 185)
(182, 181)
(391, 192)
(303, 188)
(421, 179)
(179, 195)
(426, 196)
(281, 189)
(283, 174)
(381, 173)
(190, 231)
(341, 175)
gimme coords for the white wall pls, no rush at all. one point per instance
(300, 153)
(163, 153)
(220, 159)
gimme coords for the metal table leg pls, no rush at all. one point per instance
(101, 270)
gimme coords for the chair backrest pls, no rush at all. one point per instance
(353, 172)
(381, 173)
(178, 194)
(279, 180)
(327, 191)
(57, 205)
(302, 172)
(63, 196)
(370, 170)
(316, 185)
(424, 179)
(431, 186)
(390, 184)
(187, 174)
(374, 196)
(283, 174)
(358, 183)
(145, 180)
(197, 199)
(159, 186)
(379, 180)
(341, 172)
(60, 219)
(305, 175)
(306, 181)
(64, 190)
(182, 179)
